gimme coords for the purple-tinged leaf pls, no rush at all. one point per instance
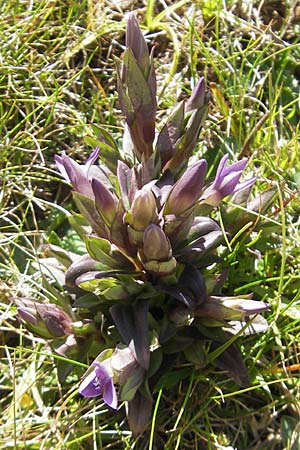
(127, 183)
(136, 42)
(88, 209)
(190, 290)
(170, 133)
(197, 99)
(232, 362)
(132, 325)
(186, 144)
(85, 264)
(131, 384)
(138, 412)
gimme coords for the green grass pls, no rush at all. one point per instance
(57, 79)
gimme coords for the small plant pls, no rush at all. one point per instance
(150, 283)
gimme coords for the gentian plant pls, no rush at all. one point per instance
(146, 295)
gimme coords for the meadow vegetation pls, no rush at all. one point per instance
(57, 86)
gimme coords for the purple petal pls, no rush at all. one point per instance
(228, 183)
(110, 395)
(90, 386)
(109, 391)
(235, 167)
(245, 184)
(91, 160)
(220, 169)
(99, 382)
(77, 176)
(59, 162)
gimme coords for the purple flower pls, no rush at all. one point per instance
(226, 182)
(99, 382)
(75, 173)
(187, 190)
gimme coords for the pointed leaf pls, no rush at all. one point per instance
(87, 208)
(138, 89)
(101, 250)
(127, 183)
(132, 324)
(138, 413)
(170, 133)
(128, 389)
(232, 362)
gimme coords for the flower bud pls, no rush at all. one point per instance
(104, 200)
(157, 252)
(75, 173)
(156, 244)
(197, 99)
(47, 320)
(143, 210)
(230, 308)
(187, 190)
(181, 316)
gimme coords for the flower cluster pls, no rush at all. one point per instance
(144, 288)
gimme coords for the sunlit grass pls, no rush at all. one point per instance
(57, 78)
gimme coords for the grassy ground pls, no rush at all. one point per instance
(57, 79)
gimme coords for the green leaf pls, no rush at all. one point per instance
(102, 250)
(156, 358)
(196, 354)
(87, 208)
(87, 301)
(79, 224)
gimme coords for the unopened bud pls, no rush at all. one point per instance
(157, 252)
(156, 244)
(230, 308)
(187, 190)
(105, 201)
(47, 320)
(143, 210)
(197, 98)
